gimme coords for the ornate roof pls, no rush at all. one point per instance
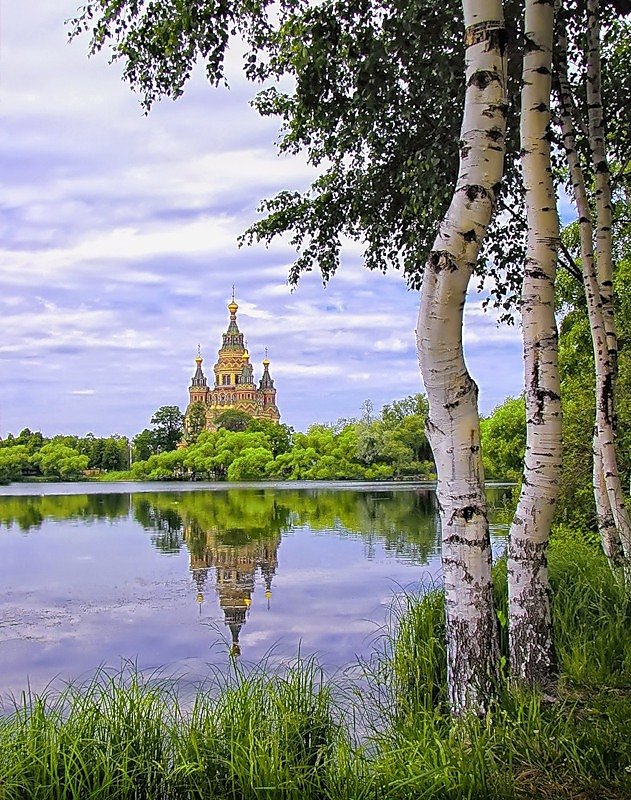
(266, 380)
(232, 338)
(199, 379)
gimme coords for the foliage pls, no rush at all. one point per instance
(195, 422)
(58, 460)
(144, 445)
(233, 420)
(280, 436)
(168, 427)
(14, 462)
(392, 444)
(251, 465)
(503, 437)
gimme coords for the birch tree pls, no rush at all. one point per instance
(453, 422)
(597, 276)
(531, 648)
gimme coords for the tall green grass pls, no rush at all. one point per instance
(387, 735)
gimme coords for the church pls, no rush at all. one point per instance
(234, 387)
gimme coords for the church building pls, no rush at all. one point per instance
(234, 387)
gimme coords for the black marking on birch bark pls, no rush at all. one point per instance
(606, 397)
(530, 46)
(472, 655)
(533, 659)
(468, 512)
(537, 274)
(495, 134)
(440, 260)
(542, 70)
(455, 538)
(491, 31)
(464, 149)
(482, 79)
(602, 167)
(541, 107)
(475, 192)
(470, 236)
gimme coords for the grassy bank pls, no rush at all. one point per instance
(298, 735)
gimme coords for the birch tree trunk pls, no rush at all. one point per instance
(453, 422)
(532, 658)
(604, 435)
(602, 179)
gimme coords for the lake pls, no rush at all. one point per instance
(185, 575)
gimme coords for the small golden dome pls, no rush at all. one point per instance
(245, 355)
(198, 359)
(266, 362)
(232, 308)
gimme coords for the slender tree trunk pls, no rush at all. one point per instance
(612, 546)
(453, 421)
(604, 434)
(532, 656)
(602, 179)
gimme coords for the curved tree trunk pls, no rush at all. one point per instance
(453, 421)
(604, 434)
(532, 656)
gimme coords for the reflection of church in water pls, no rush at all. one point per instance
(236, 569)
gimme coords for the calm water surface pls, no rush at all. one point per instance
(182, 576)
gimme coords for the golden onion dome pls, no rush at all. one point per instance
(245, 355)
(232, 308)
(266, 362)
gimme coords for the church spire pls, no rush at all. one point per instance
(266, 380)
(233, 338)
(199, 379)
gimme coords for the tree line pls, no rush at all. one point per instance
(391, 444)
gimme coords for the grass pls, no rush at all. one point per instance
(388, 735)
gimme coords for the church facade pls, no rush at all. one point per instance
(233, 387)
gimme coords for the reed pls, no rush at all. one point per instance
(297, 734)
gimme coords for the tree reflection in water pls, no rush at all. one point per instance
(233, 536)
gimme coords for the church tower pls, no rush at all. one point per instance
(234, 385)
(198, 390)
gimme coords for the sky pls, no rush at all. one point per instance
(119, 252)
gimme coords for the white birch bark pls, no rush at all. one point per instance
(602, 178)
(532, 658)
(604, 438)
(453, 421)
(610, 540)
